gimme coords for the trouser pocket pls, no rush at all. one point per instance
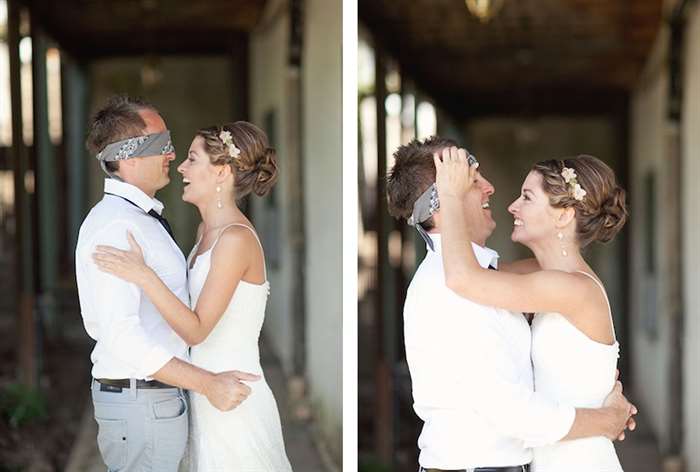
(112, 442)
(170, 429)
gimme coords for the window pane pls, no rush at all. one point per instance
(5, 105)
(53, 85)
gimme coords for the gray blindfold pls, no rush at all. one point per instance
(155, 144)
(425, 206)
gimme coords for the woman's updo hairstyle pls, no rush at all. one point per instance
(601, 213)
(255, 166)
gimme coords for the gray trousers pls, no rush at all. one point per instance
(141, 429)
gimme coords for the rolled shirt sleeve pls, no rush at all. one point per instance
(117, 327)
(501, 397)
(519, 412)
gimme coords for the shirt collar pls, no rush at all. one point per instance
(485, 256)
(134, 195)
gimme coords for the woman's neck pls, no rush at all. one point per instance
(214, 217)
(549, 255)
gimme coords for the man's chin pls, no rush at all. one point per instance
(491, 228)
(486, 235)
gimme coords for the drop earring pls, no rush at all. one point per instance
(219, 205)
(560, 236)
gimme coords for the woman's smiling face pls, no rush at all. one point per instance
(534, 217)
(198, 174)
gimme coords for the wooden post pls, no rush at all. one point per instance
(403, 274)
(623, 319)
(240, 91)
(674, 230)
(384, 426)
(240, 71)
(74, 123)
(295, 155)
(45, 175)
(26, 323)
(418, 242)
(674, 298)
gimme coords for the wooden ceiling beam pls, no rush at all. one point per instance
(165, 43)
(568, 53)
(103, 28)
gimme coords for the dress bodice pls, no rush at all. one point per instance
(238, 330)
(568, 365)
(248, 437)
(575, 370)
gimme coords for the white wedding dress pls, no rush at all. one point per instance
(248, 438)
(574, 370)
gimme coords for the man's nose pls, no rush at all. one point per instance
(486, 187)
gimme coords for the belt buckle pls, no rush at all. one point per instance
(110, 388)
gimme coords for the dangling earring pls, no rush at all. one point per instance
(560, 235)
(219, 205)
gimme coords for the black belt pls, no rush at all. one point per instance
(116, 385)
(516, 468)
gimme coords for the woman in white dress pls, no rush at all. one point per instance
(564, 205)
(228, 291)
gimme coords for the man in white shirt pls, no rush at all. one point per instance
(139, 363)
(470, 364)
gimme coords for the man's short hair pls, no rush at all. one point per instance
(118, 119)
(412, 174)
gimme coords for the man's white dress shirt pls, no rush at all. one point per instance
(472, 376)
(133, 339)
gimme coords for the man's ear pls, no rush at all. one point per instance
(127, 165)
(566, 216)
(437, 220)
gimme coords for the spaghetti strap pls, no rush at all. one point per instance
(254, 234)
(194, 251)
(605, 294)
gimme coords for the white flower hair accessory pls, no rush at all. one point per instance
(225, 137)
(579, 193)
(574, 188)
(568, 174)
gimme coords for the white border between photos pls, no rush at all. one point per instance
(350, 215)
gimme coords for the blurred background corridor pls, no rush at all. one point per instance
(516, 82)
(275, 63)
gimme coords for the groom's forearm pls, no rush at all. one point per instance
(591, 422)
(458, 258)
(224, 390)
(179, 373)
